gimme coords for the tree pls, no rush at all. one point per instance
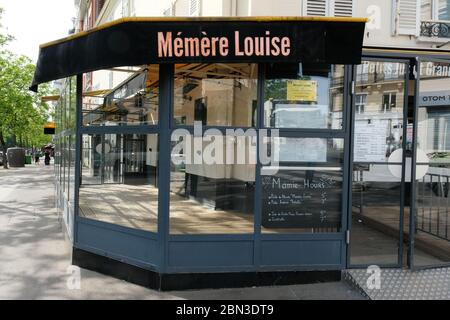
(22, 112)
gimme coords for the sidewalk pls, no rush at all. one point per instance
(34, 256)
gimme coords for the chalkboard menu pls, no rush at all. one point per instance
(302, 199)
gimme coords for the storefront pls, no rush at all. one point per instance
(247, 151)
(400, 101)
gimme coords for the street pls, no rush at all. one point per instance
(34, 257)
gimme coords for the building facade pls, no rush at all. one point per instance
(392, 23)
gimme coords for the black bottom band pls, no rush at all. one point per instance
(185, 281)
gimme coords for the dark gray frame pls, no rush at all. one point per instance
(160, 248)
(412, 220)
(258, 239)
(402, 182)
(166, 247)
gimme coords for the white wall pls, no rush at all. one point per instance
(276, 8)
(150, 8)
(214, 8)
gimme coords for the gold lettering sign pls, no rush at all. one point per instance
(302, 90)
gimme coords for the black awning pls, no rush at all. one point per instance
(139, 41)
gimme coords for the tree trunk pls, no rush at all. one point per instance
(3, 146)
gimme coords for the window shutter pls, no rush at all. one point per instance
(343, 8)
(408, 17)
(194, 8)
(168, 12)
(316, 7)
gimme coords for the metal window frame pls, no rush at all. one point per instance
(399, 263)
(166, 78)
(412, 220)
(257, 237)
(164, 129)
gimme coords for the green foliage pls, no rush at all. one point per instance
(276, 89)
(22, 112)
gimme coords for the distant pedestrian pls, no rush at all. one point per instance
(47, 157)
(37, 157)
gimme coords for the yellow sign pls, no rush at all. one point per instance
(50, 125)
(302, 90)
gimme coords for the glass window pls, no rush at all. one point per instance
(360, 103)
(304, 96)
(432, 232)
(444, 10)
(302, 193)
(216, 94)
(376, 194)
(72, 148)
(377, 158)
(212, 185)
(122, 96)
(119, 182)
(73, 102)
(64, 160)
(378, 127)
(56, 159)
(67, 165)
(389, 101)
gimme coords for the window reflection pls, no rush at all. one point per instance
(377, 158)
(376, 194)
(119, 182)
(212, 197)
(304, 96)
(215, 94)
(432, 229)
(126, 95)
(379, 110)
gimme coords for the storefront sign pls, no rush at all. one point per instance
(434, 98)
(390, 70)
(302, 199)
(176, 40)
(178, 45)
(302, 90)
(434, 69)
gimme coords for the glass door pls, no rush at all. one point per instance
(430, 223)
(379, 122)
(134, 158)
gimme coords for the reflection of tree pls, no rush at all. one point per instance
(276, 89)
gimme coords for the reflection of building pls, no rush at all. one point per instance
(379, 99)
(342, 173)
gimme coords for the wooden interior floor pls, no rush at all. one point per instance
(123, 205)
(386, 220)
(137, 207)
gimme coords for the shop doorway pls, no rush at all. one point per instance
(379, 127)
(134, 169)
(430, 222)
